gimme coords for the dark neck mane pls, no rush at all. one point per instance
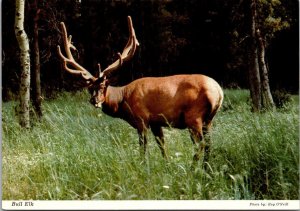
(114, 96)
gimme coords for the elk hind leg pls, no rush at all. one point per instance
(197, 139)
(207, 133)
(207, 137)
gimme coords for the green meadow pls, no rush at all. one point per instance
(78, 153)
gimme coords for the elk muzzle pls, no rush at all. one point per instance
(97, 101)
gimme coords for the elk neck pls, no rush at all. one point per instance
(113, 98)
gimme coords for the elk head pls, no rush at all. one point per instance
(97, 85)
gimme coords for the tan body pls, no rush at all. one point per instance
(176, 101)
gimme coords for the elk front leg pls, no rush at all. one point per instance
(142, 129)
(142, 142)
(159, 137)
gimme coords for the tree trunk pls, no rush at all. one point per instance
(25, 64)
(254, 74)
(37, 93)
(267, 99)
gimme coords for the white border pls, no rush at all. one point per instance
(153, 205)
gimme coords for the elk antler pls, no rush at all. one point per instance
(69, 59)
(127, 53)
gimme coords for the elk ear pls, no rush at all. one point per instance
(105, 81)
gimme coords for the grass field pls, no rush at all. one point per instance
(77, 152)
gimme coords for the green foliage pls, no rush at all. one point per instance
(282, 98)
(272, 17)
(236, 100)
(77, 152)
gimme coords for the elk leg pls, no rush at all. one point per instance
(195, 128)
(142, 142)
(159, 137)
(197, 139)
(142, 131)
(207, 136)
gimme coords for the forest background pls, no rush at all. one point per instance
(208, 36)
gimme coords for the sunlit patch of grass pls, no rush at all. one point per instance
(77, 152)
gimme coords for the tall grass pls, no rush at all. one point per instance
(77, 152)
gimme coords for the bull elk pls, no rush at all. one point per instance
(180, 101)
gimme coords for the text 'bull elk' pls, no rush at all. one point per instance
(180, 101)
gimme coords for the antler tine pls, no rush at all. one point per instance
(69, 59)
(132, 41)
(127, 53)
